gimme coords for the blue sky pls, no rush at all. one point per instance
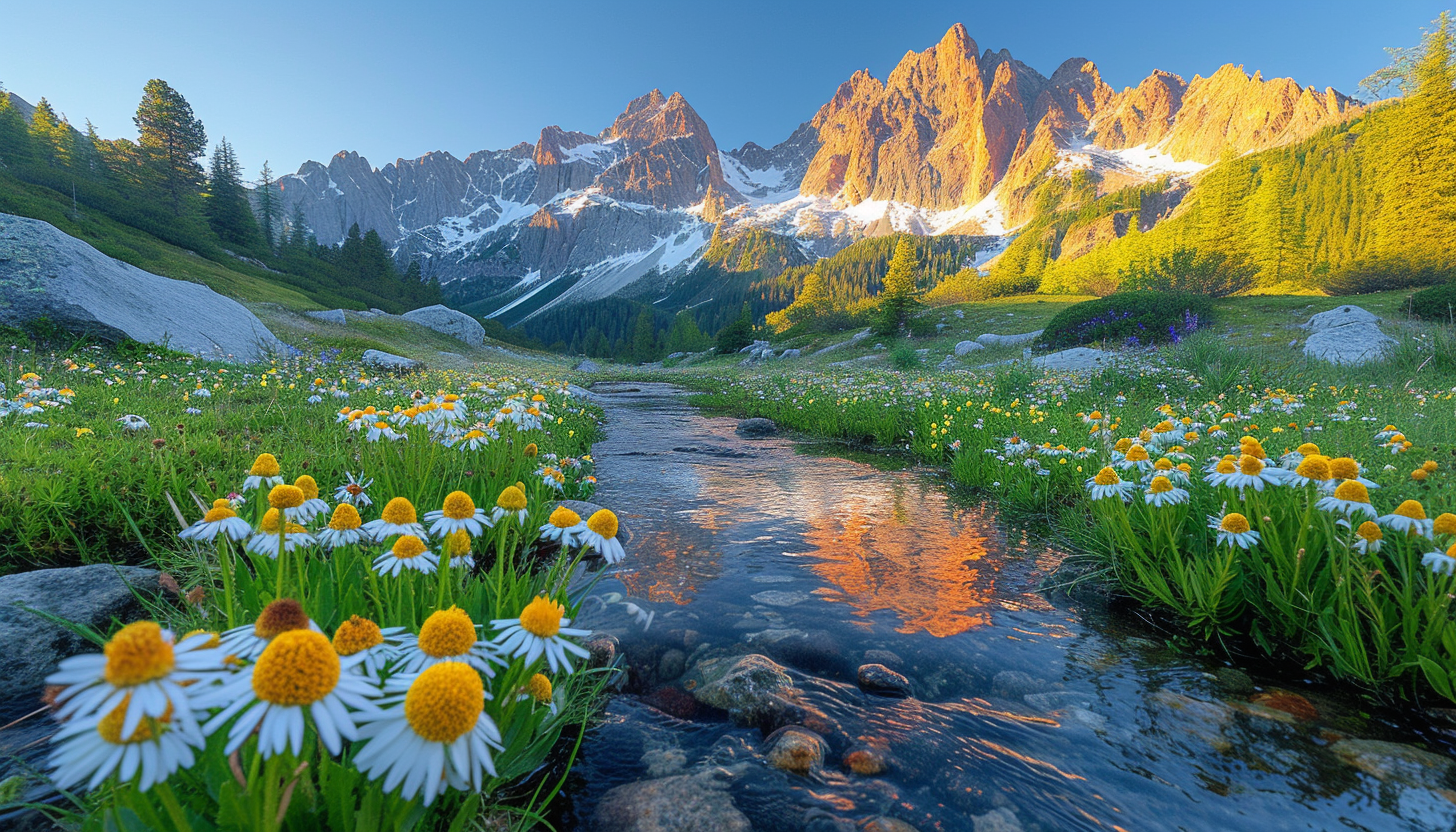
(290, 81)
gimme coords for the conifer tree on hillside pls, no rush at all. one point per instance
(1418, 204)
(1277, 239)
(644, 337)
(736, 335)
(898, 295)
(227, 206)
(172, 139)
(15, 143)
(685, 336)
(50, 135)
(268, 207)
(1222, 196)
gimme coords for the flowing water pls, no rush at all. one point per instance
(1024, 713)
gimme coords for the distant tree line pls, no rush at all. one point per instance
(157, 185)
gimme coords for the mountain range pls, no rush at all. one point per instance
(954, 141)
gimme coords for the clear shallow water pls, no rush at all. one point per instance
(1025, 713)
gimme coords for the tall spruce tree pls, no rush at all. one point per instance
(227, 206)
(173, 139)
(268, 207)
(898, 294)
(1277, 240)
(50, 135)
(644, 337)
(16, 149)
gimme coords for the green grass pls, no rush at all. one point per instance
(83, 489)
(237, 279)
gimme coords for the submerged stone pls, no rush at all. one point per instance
(756, 428)
(796, 749)
(876, 678)
(747, 687)
(670, 804)
(1396, 762)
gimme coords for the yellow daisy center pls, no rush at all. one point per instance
(531, 450)
(266, 465)
(445, 702)
(1307, 449)
(1226, 466)
(457, 543)
(1161, 485)
(474, 434)
(1163, 426)
(1122, 445)
(399, 512)
(511, 499)
(1250, 466)
(1369, 531)
(138, 654)
(1095, 415)
(1344, 468)
(1314, 467)
(539, 688)
(1137, 453)
(272, 521)
(1107, 476)
(308, 485)
(1163, 464)
(218, 513)
(1429, 465)
(285, 496)
(279, 617)
(1445, 524)
(148, 729)
(447, 633)
(1352, 491)
(345, 517)
(1234, 523)
(298, 667)
(357, 635)
(604, 523)
(408, 546)
(1412, 509)
(459, 506)
(542, 617)
(564, 518)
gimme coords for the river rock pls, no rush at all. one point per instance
(780, 597)
(388, 362)
(854, 339)
(888, 658)
(789, 354)
(880, 823)
(586, 365)
(797, 749)
(671, 665)
(1233, 680)
(329, 316)
(682, 803)
(1340, 316)
(747, 687)
(1396, 762)
(876, 678)
(991, 340)
(997, 820)
(46, 273)
(89, 595)
(968, 347)
(603, 650)
(867, 761)
(448, 321)
(1014, 684)
(1076, 358)
(756, 428)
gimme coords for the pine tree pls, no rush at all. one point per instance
(51, 135)
(1222, 199)
(298, 231)
(1276, 243)
(737, 334)
(16, 149)
(897, 295)
(644, 337)
(268, 207)
(173, 140)
(227, 206)
(685, 336)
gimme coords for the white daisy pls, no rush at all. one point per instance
(1108, 484)
(458, 514)
(540, 632)
(431, 733)
(248, 642)
(298, 671)
(87, 750)
(1161, 492)
(601, 535)
(1233, 528)
(564, 527)
(355, 491)
(511, 502)
(408, 553)
(1350, 498)
(145, 667)
(1439, 561)
(265, 542)
(265, 471)
(345, 528)
(364, 648)
(220, 519)
(1409, 518)
(398, 517)
(447, 636)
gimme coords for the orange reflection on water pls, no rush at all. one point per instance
(911, 556)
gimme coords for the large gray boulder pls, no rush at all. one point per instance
(698, 802)
(586, 365)
(329, 316)
(389, 362)
(1346, 335)
(46, 273)
(747, 687)
(1076, 358)
(992, 340)
(449, 321)
(91, 595)
(968, 347)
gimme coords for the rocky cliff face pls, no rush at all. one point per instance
(954, 140)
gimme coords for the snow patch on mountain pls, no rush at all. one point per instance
(759, 187)
(1144, 161)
